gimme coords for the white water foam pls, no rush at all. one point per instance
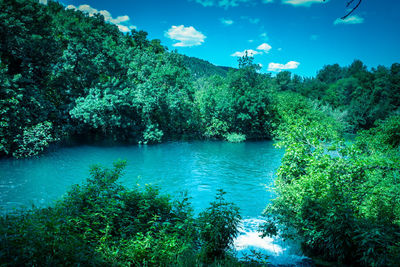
(279, 252)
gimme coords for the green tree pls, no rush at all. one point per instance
(250, 100)
(330, 73)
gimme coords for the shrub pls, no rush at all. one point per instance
(218, 226)
(235, 137)
(152, 134)
(34, 140)
(100, 223)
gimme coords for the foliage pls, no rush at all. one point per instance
(341, 201)
(9, 111)
(214, 103)
(255, 257)
(107, 108)
(365, 96)
(237, 103)
(218, 228)
(83, 76)
(235, 137)
(152, 134)
(251, 100)
(34, 140)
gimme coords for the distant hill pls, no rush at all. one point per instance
(226, 68)
(202, 68)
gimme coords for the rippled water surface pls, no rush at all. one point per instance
(243, 170)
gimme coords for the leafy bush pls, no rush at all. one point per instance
(152, 134)
(107, 108)
(218, 228)
(235, 137)
(34, 140)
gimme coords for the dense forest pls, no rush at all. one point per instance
(65, 75)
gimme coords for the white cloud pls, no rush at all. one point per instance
(267, 1)
(254, 20)
(251, 41)
(277, 67)
(264, 36)
(206, 3)
(306, 3)
(226, 21)
(107, 17)
(231, 3)
(264, 47)
(222, 3)
(123, 28)
(187, 36)
(251, 20)
(120, 19)
(249, 52)
(349, 20)
(89, 9)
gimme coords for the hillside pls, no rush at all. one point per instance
(202, 68)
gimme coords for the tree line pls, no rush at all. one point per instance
(64, 74)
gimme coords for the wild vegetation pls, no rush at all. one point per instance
(103, 223)
(64, 74)
(341, 199)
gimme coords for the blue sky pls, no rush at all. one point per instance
(298, 35)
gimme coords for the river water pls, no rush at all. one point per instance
(244, 170)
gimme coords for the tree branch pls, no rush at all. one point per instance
(354, 8)
(349, 3)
